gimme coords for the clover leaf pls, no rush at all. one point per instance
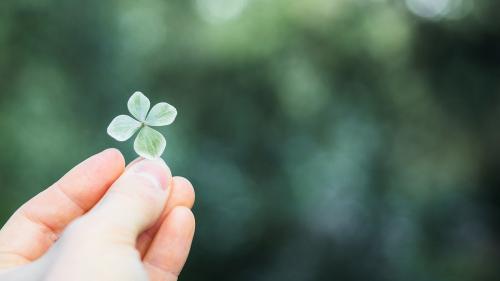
(149, 143)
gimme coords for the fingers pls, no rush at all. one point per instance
(182, 194)
(170, 248)
(38, 223)
(133, 203)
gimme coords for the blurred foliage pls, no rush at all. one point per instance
(327, 139)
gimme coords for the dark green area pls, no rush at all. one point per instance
(326, 139)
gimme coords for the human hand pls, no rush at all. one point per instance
(102, 222)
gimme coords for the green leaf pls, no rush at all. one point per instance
(149, 143)
(123, 127)
(161, 114)
(138, 105)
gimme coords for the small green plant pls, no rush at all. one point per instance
(149, 143)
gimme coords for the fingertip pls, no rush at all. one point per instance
(185, 191)
(184, 182)
(115, 156)
(184, 214)
(105, 166)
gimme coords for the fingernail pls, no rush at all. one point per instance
(155, 170)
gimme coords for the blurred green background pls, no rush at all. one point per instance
(326, 139)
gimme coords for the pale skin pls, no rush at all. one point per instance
(102, 221)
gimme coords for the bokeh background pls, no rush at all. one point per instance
(327, 139)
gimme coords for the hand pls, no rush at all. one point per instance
(102, 222)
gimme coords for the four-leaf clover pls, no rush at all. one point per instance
(149, 143)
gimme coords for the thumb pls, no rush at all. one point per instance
(133, 203)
